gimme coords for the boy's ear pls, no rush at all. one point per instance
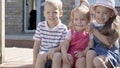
(61, 13)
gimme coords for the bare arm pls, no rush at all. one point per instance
(101, 37)
(65, 46)
(57, 49)
(64, 50)
(90, 45)
(36, 48)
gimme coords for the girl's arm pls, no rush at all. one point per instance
(101, 37)
(36, 48)
(90, 45)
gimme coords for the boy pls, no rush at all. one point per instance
(49, 36)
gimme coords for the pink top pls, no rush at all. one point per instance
(79, 41)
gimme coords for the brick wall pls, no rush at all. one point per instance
(13, 16)
(68, 5)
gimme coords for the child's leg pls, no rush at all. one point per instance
(41, 60)
(56, 61)
(101, 62)
(89, 58)
(68, 65)
(81, 62)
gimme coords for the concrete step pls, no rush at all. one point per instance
(16, 57)
(22, 40)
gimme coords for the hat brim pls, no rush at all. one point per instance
(114, 10)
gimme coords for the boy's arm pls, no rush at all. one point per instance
(36, 48)
(58, 49)
(64, 50)
(65, 46)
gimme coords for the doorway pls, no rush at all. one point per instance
(33, 14)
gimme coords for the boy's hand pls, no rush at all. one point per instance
(65, 58)
(51, 53)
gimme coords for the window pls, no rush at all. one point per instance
(33, 14)
(29, 15)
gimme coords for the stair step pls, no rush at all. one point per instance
(23, 40)
(19, 43)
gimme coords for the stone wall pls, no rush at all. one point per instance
(13, 16)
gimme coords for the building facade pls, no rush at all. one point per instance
(22, 16)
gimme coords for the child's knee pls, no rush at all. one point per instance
(57, 56)
(90, 54)
(80, 60)
(42, 57)
(97, 61)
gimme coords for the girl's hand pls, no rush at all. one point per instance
(90, 28)
(79, 54)
(51, 53)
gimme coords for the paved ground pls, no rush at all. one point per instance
(17, 58)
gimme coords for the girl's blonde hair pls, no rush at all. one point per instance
(84, 1)
(84, 8)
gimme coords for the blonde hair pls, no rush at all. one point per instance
(83, 9)
(57, 3)
(85, 1)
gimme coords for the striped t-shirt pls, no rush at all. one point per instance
(50, 38)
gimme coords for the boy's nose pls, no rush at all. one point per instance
(51, 14)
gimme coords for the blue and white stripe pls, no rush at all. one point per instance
(50, 38)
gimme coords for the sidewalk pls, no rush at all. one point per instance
(17, 57)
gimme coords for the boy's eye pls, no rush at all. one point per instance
(48, 12)
(76, 19)
(55, 12)
(97, 12)
(105, 13)
(82, 19)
